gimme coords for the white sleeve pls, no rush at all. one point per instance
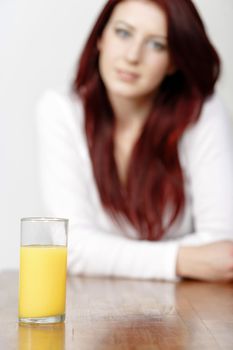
(65, 192)
(208, 153)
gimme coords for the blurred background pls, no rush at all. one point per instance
(39, 46)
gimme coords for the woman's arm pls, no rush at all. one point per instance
(210, 262)
(208, 148)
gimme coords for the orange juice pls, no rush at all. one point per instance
(42, 281)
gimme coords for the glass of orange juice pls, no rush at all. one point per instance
(42, 275)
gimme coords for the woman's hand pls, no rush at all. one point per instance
(210, 262)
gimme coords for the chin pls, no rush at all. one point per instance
(125, 95)
(126, 92)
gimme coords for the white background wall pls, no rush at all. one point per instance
(39, 45)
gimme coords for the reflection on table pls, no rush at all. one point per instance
(117, 314)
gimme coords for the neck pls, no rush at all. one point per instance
(130, 112)
(130, 116)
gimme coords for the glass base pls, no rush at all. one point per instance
(42, 320)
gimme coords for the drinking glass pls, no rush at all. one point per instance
(43, 264)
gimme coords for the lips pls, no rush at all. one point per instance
(126, 75)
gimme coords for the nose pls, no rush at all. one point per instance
(133, 52)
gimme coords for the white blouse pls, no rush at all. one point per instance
(97, 245)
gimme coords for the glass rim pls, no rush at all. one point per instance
(43, 219)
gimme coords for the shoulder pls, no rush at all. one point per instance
(59, 107)
(214, 113)
(60, 124)
(214, 126)
(210, 139)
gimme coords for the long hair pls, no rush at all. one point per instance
(155, 183)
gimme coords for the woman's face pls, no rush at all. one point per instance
(133, 52)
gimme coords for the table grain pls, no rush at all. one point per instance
(120, 314)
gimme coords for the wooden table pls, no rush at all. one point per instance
(125, 315)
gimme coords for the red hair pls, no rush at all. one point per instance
(155, 182)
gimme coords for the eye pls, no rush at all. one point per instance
(122, 33)
(156, 45)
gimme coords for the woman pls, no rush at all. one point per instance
(139, 155)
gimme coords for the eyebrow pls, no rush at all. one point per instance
(133, 28)
(125, 24)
